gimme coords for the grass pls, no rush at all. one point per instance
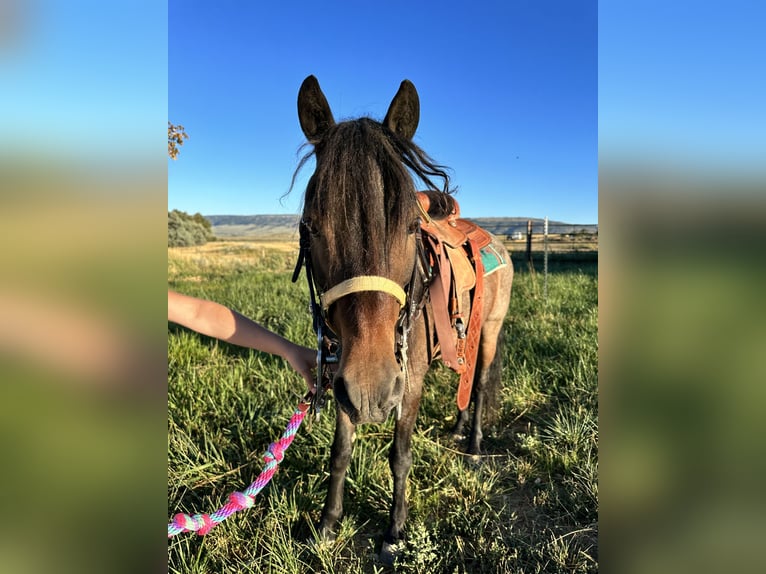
(530, 504)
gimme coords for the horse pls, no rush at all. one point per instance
(365, 257)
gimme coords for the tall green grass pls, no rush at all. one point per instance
(530, 504)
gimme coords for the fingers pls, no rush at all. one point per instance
(310, 381)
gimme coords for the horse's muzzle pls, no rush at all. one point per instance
(371, 404)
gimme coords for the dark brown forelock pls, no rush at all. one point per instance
(361, 196)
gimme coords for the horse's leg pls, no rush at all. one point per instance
(479, 384)
(486, 384)
(478, 395)
(462, 419)
(342, 447)
(400, 462)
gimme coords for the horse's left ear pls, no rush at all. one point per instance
(404, 112)
(314, 112)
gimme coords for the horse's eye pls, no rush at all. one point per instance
(413, 227)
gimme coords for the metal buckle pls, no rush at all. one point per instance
(460, 328)
(328, 353)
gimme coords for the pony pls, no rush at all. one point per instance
(366, 259)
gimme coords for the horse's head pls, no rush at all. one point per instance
(361, 211)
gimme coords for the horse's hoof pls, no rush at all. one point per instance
(389, 553)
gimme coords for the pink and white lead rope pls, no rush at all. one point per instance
(203, 523)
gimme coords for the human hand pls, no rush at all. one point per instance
(304, 361)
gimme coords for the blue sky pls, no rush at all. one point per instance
(677, 82)
(682, 83)
(508, 94)
(85, 80)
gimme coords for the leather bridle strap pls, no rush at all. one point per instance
(363, 283)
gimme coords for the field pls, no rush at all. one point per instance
(529, 504)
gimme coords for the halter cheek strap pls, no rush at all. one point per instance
(363, 283)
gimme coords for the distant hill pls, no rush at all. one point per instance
(286, 226)
(255, 226)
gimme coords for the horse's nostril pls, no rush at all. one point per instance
(340, 391)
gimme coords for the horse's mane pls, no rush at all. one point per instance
(362, 192)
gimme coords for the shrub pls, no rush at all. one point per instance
(185, 230)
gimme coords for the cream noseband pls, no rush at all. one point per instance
(362, 283)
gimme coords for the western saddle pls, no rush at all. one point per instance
(454, 245)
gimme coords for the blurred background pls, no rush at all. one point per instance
(83, 171)
(682, 207)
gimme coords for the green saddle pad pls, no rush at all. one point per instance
(492, 259)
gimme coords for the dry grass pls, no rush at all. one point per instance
(229, 256)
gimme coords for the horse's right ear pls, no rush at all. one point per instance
(314, 112)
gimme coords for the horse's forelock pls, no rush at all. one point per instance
(360, 193)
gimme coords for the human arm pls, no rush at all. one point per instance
(216, 320)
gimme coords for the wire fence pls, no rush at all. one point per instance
(533, 246)
(539, 241)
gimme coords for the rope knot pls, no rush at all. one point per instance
(275, 452)
(241, 500)
(204, 523)
(184, 522)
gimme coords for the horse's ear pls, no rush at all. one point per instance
(313, 110)
(404, 112)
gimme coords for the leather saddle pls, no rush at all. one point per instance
(454, 245)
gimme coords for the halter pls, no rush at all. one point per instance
(410, 301)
